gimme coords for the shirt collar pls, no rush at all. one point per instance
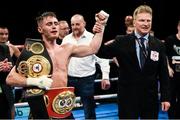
(139, 36)
(84, 35)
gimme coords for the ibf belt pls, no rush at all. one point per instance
(60, 102)
(176, 63)
(34, 61)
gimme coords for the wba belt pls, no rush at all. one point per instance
(34, 61)
(59, 101)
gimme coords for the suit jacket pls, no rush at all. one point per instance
(131, 75)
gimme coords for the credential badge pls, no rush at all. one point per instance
(154, 55)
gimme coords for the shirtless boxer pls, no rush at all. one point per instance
(60, 55)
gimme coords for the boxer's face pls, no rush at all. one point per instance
(49, 28)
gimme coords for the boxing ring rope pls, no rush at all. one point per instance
(111, 79)
(22, 104)
(19, 46)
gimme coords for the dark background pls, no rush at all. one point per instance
(19, 16)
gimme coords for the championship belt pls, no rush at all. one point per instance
(176, 63)
(34, 61)
(59, 102)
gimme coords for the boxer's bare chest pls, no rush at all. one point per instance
(59, 59)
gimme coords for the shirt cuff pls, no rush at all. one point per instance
(105, 76)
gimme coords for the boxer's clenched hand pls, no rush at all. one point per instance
(102, 17)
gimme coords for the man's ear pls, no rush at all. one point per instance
(84, 24)
(39, 29)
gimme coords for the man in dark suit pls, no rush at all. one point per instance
(138, 82)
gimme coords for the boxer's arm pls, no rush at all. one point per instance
(16, 79)
(98, 29)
